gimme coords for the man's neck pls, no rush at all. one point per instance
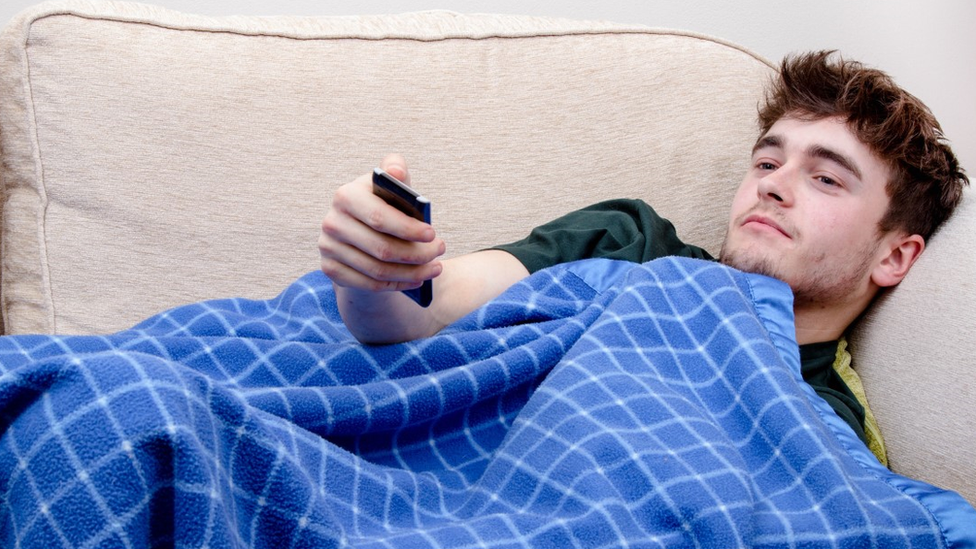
(816, 322)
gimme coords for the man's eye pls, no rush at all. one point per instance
(827, 181)
(766, 166)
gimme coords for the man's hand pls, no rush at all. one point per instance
(366, 244)
(372, 251)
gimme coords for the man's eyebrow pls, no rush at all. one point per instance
(815, 151)
(768, 141)
(846, 162)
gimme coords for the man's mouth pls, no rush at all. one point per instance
(768, 222)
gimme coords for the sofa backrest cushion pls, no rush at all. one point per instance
(154, 158)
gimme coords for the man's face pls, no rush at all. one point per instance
(808, 209)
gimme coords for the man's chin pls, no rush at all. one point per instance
(750, 263)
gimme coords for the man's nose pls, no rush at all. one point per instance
(777, 186)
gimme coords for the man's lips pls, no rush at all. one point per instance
(763, 220)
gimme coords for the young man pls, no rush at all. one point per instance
(849, 177)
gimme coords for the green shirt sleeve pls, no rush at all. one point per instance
(628, 230)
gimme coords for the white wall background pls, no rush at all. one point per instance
(929, 46)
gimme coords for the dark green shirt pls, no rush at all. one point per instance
(631, 230)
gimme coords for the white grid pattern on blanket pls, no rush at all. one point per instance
(592, 420)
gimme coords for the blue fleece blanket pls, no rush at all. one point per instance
(597, 404)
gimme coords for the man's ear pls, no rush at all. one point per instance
(900, 251)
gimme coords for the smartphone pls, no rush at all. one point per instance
(402, 197)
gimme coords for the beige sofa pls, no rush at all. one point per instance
(151, 158)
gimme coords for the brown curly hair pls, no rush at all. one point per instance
(926, 182)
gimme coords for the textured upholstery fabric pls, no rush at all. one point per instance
(155, 158)
(152, 158)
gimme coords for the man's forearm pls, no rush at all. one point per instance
(378, 318)
(466, 283)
